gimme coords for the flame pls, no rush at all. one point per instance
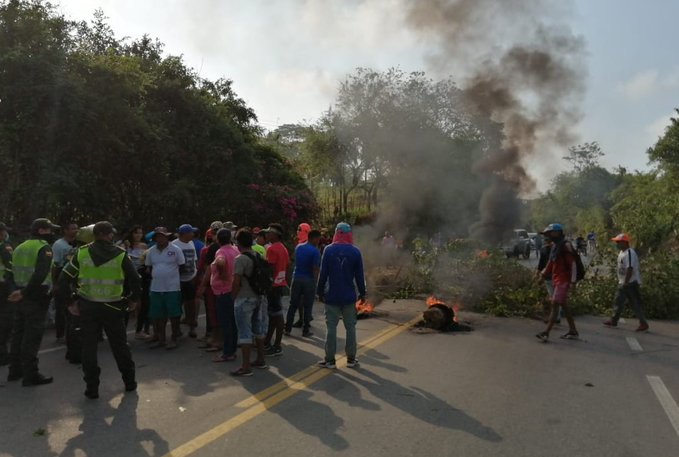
(456, 307)
(364, 307)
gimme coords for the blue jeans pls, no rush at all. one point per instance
(302, 293)
(349, 317)
(227, 320)
(252, 319)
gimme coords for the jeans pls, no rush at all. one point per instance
(349, 317)
(629, 293)
(252, 319)
(227, 320)
(302, 293)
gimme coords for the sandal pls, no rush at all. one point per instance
(241, 372)
(224, 358)
(260, 365)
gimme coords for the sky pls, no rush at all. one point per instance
(287, 57)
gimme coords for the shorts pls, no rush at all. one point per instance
(252, 319)
(165, 304)
(560, 295)
(188, 290)
(275, 303)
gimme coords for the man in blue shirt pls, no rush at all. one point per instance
(342, 270)
(303, 289)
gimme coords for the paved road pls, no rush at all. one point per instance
(496, 391)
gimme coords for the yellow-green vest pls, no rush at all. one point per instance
(103, 283)
(24, 259)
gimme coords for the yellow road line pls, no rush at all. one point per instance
(272, 396)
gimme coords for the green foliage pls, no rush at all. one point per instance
(666, 151)
(93, 128)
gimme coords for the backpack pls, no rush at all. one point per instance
(261, 279)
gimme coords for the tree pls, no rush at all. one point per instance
(584, 156)
(666, 150)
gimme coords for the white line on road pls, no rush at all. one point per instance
(666, 400)
(634, 344)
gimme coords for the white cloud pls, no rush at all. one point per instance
(640, 85)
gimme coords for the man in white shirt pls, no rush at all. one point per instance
(629, 281)
(187, 275)
(165, 299)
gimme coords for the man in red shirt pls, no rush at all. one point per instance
(279, 258)
(562, 268)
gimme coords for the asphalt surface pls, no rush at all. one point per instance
(496, 391)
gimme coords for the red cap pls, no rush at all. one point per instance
(621, 237)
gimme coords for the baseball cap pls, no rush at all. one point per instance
(304, 227)
(186, 228)
(103, 228)
(43, 223)
(555, 227)
(161, 231)
(343, 227)
(216, 225)
(230, 225)
(621, 237)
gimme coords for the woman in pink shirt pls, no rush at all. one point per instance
(221, 282)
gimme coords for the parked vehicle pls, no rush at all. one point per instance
(518, 245)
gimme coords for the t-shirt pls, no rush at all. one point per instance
(243, 268)
(188, 271)
(307, 257)
(62, 252)
(277, 255)
(219, 285)
(626, 259)
(165, 268)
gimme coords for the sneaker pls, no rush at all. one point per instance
(642, 328)
(571, 335)
(308, 334)
(352, 363)
(610, 323)
(37, 380)
(326, 364)
(542, 336)
(274, 351)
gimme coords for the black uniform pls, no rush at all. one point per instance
(96, 315)
(6, 308)
(29, 323)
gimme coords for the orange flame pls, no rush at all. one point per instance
(456, 307)
(364, 307)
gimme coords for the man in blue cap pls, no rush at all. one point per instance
(342, 270)
(187, 275)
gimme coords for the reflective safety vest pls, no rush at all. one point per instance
(101, 283)
(24, 259)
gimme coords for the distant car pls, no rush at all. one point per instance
(519, 244)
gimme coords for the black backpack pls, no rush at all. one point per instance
(579, 266)
(261, 279)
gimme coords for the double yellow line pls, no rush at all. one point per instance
(272, 396)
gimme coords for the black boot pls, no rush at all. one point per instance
(37, 380)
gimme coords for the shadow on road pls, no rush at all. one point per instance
(422, 405)
(121, 435)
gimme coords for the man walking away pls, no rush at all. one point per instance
(107, 286)
(543, 259)
(629, 282)
(279, 258)
(31, 266)
(6, 286)
(342, 269)
(249, 308)
(63, 250)
(187, 275)
(165, 298)
(562, 268)
(304, 277)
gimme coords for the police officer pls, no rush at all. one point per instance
(107, 286)
(31, 265)
(6, 286)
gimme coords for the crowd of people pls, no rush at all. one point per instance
(236, 276)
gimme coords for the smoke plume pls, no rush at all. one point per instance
(522, 67)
